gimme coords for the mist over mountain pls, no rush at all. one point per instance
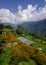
(33, 26)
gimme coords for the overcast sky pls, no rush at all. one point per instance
(18, 11)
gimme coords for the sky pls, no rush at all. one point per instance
(18, 11)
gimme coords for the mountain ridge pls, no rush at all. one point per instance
(33, 26)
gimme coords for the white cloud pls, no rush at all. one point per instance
(45, 0)
(29, 14)
(32, 14)
(19, 7)
(7, 16)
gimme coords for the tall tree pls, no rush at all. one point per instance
(19, 29)
(37, 33)
(1, 28)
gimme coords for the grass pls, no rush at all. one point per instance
(37, 44)
(27, 63)
(5, 56)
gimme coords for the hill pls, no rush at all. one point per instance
(33, 26)
(20, 53)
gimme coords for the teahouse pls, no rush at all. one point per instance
(24, 40)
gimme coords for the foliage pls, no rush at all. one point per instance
(8, 38)
(5, 56)
(23, 52)
(19, 29)
(8, 27)
(37, 34)
(38, 43)
(1, 26)
(31, 62)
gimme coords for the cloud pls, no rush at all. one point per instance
(19, 7)
(7, 16)
(30, 14)
(45, 0)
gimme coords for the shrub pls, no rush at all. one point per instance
(23, 52)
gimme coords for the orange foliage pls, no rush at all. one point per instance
(26, 52)
(9, 38)
(41, 58)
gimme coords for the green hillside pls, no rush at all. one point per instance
(14, 52)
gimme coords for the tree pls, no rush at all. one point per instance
(1, 28)
(8, 27)
(37, 33)
(19, 29)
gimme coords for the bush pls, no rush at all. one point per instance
(23, 52)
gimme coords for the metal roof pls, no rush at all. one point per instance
(24, 40)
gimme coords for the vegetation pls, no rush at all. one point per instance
(23, 52)
(19, 30)
(5, 56)
(14, 52)
(27, 63)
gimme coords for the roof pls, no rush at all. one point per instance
(24, 40)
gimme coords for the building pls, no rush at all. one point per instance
(24, 40)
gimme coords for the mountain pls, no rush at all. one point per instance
(33, 26)
(13, 25)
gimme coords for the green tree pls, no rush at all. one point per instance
(8, 27)
(20, 29)
(37, 33)
(1, 28)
